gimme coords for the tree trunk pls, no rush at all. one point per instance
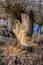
(21, 30)
(27, 24)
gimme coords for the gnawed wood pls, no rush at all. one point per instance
(21, 35)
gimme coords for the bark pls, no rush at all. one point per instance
(21, 30)
(27, 24)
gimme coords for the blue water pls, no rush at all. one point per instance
(36, 28)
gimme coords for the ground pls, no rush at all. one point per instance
(13, 55)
